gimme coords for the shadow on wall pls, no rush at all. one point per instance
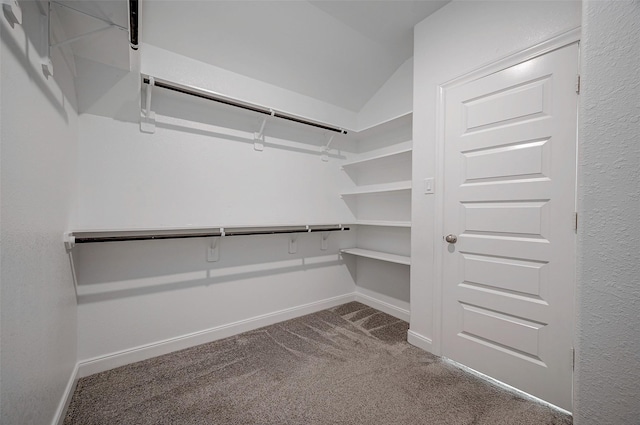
(112, 270)
(108, 91)
(191, 114)
(30, 51)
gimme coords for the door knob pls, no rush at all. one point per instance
(451, 238)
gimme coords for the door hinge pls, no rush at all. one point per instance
(578, 84)
(575, 221)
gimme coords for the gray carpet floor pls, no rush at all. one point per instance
(348, 365)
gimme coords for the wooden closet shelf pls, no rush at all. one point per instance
(379, 188)
(377, 255)
(383, 159)
(384, 223)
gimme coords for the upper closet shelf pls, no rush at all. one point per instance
(384, 223)
(379, 188)
(148, 116)
(383, 159)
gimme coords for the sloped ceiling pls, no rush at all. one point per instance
(110, 46)
(340, 52)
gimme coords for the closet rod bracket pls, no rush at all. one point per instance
(258, 137)
(147, 116)
(325, 150)
(69, 241)
(213, 252)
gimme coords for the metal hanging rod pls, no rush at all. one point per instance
(205, 94)
(133, 24)
(73, 238)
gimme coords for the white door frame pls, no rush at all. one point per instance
(557, 42)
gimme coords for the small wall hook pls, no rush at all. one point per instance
(324, 243)
(293, 244)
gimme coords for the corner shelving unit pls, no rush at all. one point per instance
(381, 197)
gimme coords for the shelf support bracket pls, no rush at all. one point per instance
(258, 137)
(147, 116)
(325, 149)
(213, 252)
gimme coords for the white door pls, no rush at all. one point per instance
(510, 170)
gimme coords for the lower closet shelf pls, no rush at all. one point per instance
(377, 255)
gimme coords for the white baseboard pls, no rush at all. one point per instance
(419, 341)
(61, 412)
(121, 358)
(385, 306)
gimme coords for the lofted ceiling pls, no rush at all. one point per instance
(78, 17)
(339, 52)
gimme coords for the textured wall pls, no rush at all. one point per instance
(607, 387)
(39, 126)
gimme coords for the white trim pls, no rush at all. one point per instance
(557, 42)
(384, 306)
(121, 358)
(504, 386)
(61, 411)
(419, 341)
(438, 278)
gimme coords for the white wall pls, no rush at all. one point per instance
(393, 99)
(38, 310)
(134, 295)
(607, 388)
(202, 173)
(165, 64)
(200, 168)
(461, 37)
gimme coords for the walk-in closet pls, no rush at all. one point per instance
(319, 211)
